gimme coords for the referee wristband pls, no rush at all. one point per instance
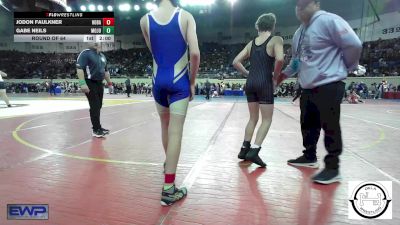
(82, 82)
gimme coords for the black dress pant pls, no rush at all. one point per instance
(320, 108)
(208, 93)
(95, 98)
(128, 90)
(298, 94)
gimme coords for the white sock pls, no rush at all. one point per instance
(255, 146)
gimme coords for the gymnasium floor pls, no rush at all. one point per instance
(47, 156)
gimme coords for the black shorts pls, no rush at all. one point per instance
(2, 85)
(262, 95)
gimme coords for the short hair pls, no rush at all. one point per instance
(174, 2)
(266, 22)
(306, 2)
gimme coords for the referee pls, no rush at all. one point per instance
(128, 87)
(324, 48)
(92, 70)
(3, 93)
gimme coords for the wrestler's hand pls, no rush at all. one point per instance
(275, 84)
(85, 89)
(110, 88)
(192, 93)
(3, 74)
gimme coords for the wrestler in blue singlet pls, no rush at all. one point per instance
(170, 60)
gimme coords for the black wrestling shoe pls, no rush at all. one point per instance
(252, 156)
(244, 150)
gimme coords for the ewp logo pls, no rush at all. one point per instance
(27, 212)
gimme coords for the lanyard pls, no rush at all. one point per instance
(302, 34)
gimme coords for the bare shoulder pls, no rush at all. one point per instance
(277, 39)
(186, 15)
(249, 44)
(143, 20)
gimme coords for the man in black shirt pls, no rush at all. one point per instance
(52, 87)
(208, 89)
(92, 70)
(128, 87)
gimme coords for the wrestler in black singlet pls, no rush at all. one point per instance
(259, 86)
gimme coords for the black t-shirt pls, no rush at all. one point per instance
(93, 64)
(208, 85)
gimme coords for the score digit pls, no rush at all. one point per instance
(108, 21)
(108, 30)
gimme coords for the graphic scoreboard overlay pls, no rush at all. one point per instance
(64, 27)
